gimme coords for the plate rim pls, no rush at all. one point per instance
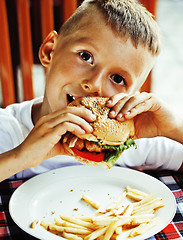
(81, 167)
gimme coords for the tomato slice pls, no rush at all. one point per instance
(92, 156)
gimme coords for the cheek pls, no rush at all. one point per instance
(53, 92)
(64, 64)
(54, 82)
(61, 73)
(109, 89)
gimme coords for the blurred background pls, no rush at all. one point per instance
(166, 77)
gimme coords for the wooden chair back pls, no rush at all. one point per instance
(151, 6)
(7, 79)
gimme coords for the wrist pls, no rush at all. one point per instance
(23, 157)
(10, 164)
(175, 131)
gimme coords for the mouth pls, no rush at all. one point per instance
(70, 98)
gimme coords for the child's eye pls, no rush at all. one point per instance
(118, 79)
(86, 56)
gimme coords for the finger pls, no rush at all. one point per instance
(73, 128)
(119, 106)
(52, 135)
(145, 106)
(80, 111)
(63, 119)
(69, 117)
(131, 103)
(78, 115)
(114, 99)
(140, 100)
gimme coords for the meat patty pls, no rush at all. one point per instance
(92, 147)
(80, 144)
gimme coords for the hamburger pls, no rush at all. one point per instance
(108, 140)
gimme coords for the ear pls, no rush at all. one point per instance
(47, 48)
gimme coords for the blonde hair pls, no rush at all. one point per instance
(125, 17)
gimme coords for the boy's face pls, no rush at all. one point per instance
(93, 61)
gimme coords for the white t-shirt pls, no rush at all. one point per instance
(153, 153)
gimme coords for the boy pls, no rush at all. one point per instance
(107, 48)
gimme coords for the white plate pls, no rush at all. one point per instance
(59, 191)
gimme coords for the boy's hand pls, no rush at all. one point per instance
(151, 115)
(43, 140)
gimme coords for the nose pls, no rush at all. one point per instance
(93, 84)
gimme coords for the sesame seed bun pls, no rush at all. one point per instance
(107, 130)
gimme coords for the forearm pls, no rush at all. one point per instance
(176, 132)
(10, 163)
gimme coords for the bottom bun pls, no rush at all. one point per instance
(83, 160)
(90, 163)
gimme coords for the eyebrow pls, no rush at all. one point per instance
(86, 40)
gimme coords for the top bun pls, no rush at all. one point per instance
(106, 130)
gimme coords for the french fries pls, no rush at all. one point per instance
(92, 202)
(35, 223)
(122, 219)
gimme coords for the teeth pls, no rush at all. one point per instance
(70, 98)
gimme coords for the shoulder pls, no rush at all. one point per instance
(18, 112)
(16, 122)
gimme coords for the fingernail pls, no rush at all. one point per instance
(90, 128)
(93, 117)
(109, 101)
(120, 115)
(113, 113)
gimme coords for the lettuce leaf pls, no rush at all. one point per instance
(114, 152)
(129, 143)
